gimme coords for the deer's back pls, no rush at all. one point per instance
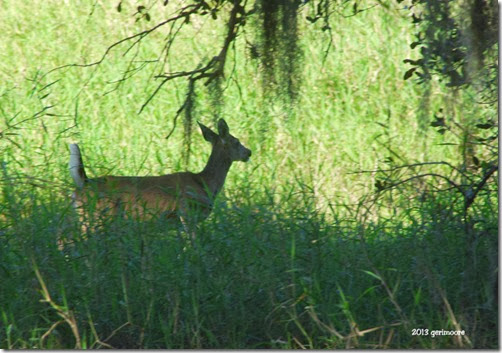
(166, 194)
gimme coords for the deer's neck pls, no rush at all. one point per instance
(216, 170)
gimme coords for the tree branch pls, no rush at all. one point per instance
(470, 195)
(214, 68)
(185, 12)
(412, 166)
(451, 182)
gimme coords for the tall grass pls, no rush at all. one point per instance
(291, 257)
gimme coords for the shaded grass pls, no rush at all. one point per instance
(263, 277)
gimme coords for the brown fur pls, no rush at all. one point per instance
(187, 196)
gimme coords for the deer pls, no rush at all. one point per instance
(185, 196)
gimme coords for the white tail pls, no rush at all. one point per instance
(178, 195)
(77, 170)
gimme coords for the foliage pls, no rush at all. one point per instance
(458, 42)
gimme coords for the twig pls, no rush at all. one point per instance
(95, 333)
(49, 331)
(66, 314)
(471, 195)
(117, 330)
(185, 12)
(412, 166)
(451, 182)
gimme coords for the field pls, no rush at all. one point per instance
(301, 250)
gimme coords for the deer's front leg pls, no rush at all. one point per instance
(186, 218)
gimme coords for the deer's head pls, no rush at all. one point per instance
(227, 144)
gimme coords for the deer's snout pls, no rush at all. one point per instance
(246, 153)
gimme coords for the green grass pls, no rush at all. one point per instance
(290, 258)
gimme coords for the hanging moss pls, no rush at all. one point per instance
(188, 122)
(278, 49)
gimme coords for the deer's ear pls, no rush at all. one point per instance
(223, 128)
(208, 134)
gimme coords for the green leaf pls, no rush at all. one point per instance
(413, 62)
(417, 296)
(205, 5)
(374, 275)
(119, 7)
(379, 185)
(484, 126)
(414, 44)
(438, 122)
(409, 73)
(455, 79)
